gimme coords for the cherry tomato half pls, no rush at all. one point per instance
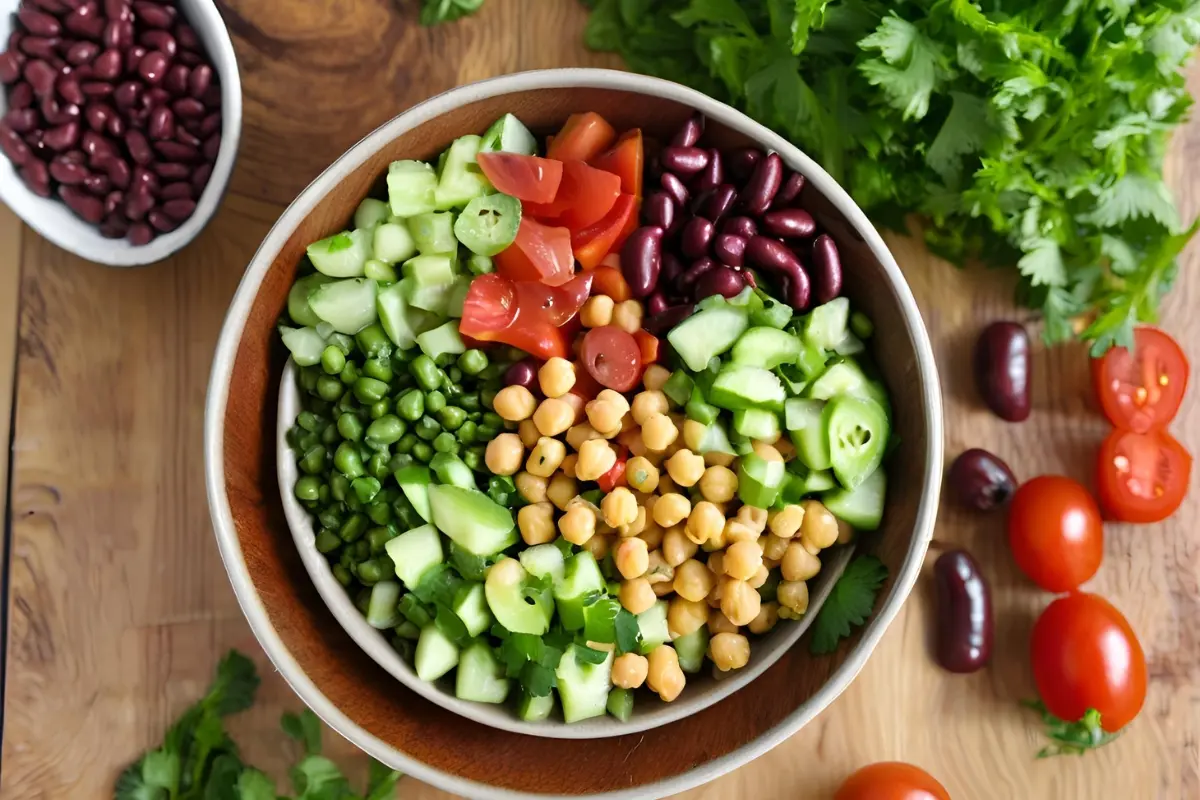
(1143, 389)
(582, 138)
(1086, 656)
(612, 357)
(527, 178)
(584, 197)
(1142, 477)
(540, 253)
(891, 780)
(1055, 532)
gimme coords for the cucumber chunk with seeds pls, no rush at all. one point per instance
(488, 225)
(516, 599)
(739, 387)
(858, 431)
(707, 334)
(766, 348)
(583, 688)
(480, 677)
(544, 561)
(348, 305)
(436, 655)
(472, 519)
(861, 508)
(804, 420)
(414, 553)
(460, 180)
(411, 187)
(508, 135)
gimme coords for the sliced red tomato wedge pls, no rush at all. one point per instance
(612, 357)
(610, 281)
(584, 197)
(582, 138)
(528, 178)
(595, 242)
(539, 253)
(625, 158)
(1143, 389)
(616, 476)
(1142, 477)
(528, 315)
(648, 345)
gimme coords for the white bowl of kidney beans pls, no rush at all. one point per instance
(119, 122)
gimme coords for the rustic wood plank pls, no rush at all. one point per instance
(119, 606)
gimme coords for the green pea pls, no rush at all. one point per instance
(402, 380)
(427, 428)
(380, 512)
(327, 541)
(454, 374)
(330, 436)
(411, 405)
(323, 495)
(426, 372)
(386, 430)
(310, 422)
(485, 433)
(329, 388)
(371, 571)
(308, 488)
(445, 443)
(473, 460)
(378, 537)
(467, 431)
(452, 417)
(319, 407)
(373, 341)
(434, 402)
(346, 560)
(378, 465)
(380, 409)
(378, 368)
(405, 445)
(493, 420)
(353, 528)
(339, 485)
(473, 361)
(422, 452)
(346, 403)
(350, 427)
(369, 390)
(349, 373)
(330, 518)
(293, 438)
(493, 371)
(353, 504)
(365, 489)
(399, 461)
(333, 360)
(487, 397)
(478, 449)
(342, 575)
(307, 441)
(469, 401)
(361, 550)
(313, 462)
(308, 378)
(348, 461)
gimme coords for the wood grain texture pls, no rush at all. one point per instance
(119, 605)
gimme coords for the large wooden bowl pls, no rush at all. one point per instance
(342, 683)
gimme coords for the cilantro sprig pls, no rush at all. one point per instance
(848, 605)
(1070, 738)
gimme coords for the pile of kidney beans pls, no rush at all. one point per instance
(114, 107)
(715, 213)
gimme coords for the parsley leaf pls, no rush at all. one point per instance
(304, 728)
(434, 12)
(849, 604)
(629, 634)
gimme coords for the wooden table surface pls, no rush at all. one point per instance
(118, 606)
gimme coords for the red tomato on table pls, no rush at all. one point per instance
(528, 178)
(582, 138)
(1055, 532)
(584, 197)
(626, 159)
(539, 253)
(1143, 389)
(891, 780)
(1142, 477)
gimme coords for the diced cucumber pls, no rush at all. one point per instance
(371, 212)
(414, 481)
(430, 270)
(415, 552)
(442, 339)
(458, 296)
(305, 344)
(840, 377)
(857, 430)
(747, 387)
(828, 323)
(766, 348)
(862, 508)
(535, 709)
(849, 346)
(433, 232)
(471, 607)
(394, 243)
(691, 649)
(815, 480)
(434, 298)
(679, 387)
(471, 519)
(620, 703)
(516, 599)
(298, 307)
(379, 271)
(581, 577)
(707, 334)
(348, 305)
(653, 626)
(460, 180)
(508, 135)
(401, 321)
(811, 362)
(715, 439)
(411, 188)
(382, 611)
(480, 677)
(544, 560)
(480, 265)
(407, 630)
(436, 655)
(803, 419)
(582, 687)
(343, 255)
(452, 470)
(755, 423)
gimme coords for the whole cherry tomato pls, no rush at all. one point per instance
(1055, 532)
(891, 780)
(1143, 389)
(1142, 477)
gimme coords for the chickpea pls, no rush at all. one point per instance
(514, 403)
(693, 581)
(685, 467)
(685, 616)
(677, 547)
(742, 560)
(759, 578)
(736, 531)
(671, 509)
(771, 563)
(641, 474)
(503, 454)
(619, 507)
(647, 403)
(636, 595)
(596, 457)
(633, 440)
(845, 532)
(785, 523)
(562, 490)
(719, 623)
(798, 564)
(739, 602)
(655, 377)
(658, 432)
(663, 590)
(528, 432)
(766, 450)
(715, 458)
(568, 466)
(774, 547)
(605, 417)
(556, 377)
(652, 536)
(729, 651)
(536, 522)
(578, 524)
(531, 487)
(665, 484)
(819, 527)
(753, 518)
(715, 543)
(664, 674)
(632, 558)
(553, 416)
(793, 595)
(785, 448)
(768, 615)
(597, 311)
(635, 528)
(545, 457)
(583, 432)
(659, 571)
(716, 563)
(714, 597)
(599, 546)
(628, 316)
(704, 522)
(718, 484)
(629, 670)
(614, 397)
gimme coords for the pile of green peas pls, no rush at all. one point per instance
(370, 409)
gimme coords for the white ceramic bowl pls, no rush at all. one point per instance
(50, 217)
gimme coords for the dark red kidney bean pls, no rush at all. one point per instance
(659, 210)
(153, 15)
(964, 613)
(74, 157)
(143, 177)
(20, 96)
(118, 34)
(138, 147)
(107, 65)
(171, 171)
(140, 234)
(188, 108)
(773, 256)
(10, 67)
(826, 268)
(96, 146)
(68, 89)
(14, 146)
(161, 124)
(179, 210)
(693, 273)
(39, 23)
(656, 303)
(211, 124)
(155, 97)
(174, 151)
(81, 53)
(67, 172)
(116, 9)
(55, 113)
(200, 178)
(113, 201)
(138, 204)
(36, 176)
(160, 41)
(118, 172)
(641, 259)
(97, 90)
(690, 132)
(684, 160)
(176, 81)
(188, 58)
(185, 35)
(1002, 370)
(85, 21)
(790, 191)
(718, 202)
(729, 249)
(763, 184)
(37, 47)
(98, 115)
(180, 190)
(97, 183)
(212, 146)
(116, 127)
(719, 280)
(37, 147)
(672, 268)
(21, 120)
(161, 222)
(712, 176)
(41, 77)
(88, 207)
(62, 137)
(658, 324)
(184, 136)
(114, 226)
(741, 162)
(133, 57)
(981, 480)
(128, 94)
(789, 223)
(696, 237)
(153, 67)
(672, 185)
(522, 373)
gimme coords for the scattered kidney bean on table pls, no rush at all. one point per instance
(114, 108)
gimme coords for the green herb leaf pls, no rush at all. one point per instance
(381, 781)
(589, 655)
(1070, 738)
(629, 634)
(305, 728)
(469, 565)
(255, 785)
(318, 778)
(849, 604)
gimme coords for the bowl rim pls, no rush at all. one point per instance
(234, 325)
(59, 225)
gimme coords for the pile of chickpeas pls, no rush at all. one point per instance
(676, 530)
